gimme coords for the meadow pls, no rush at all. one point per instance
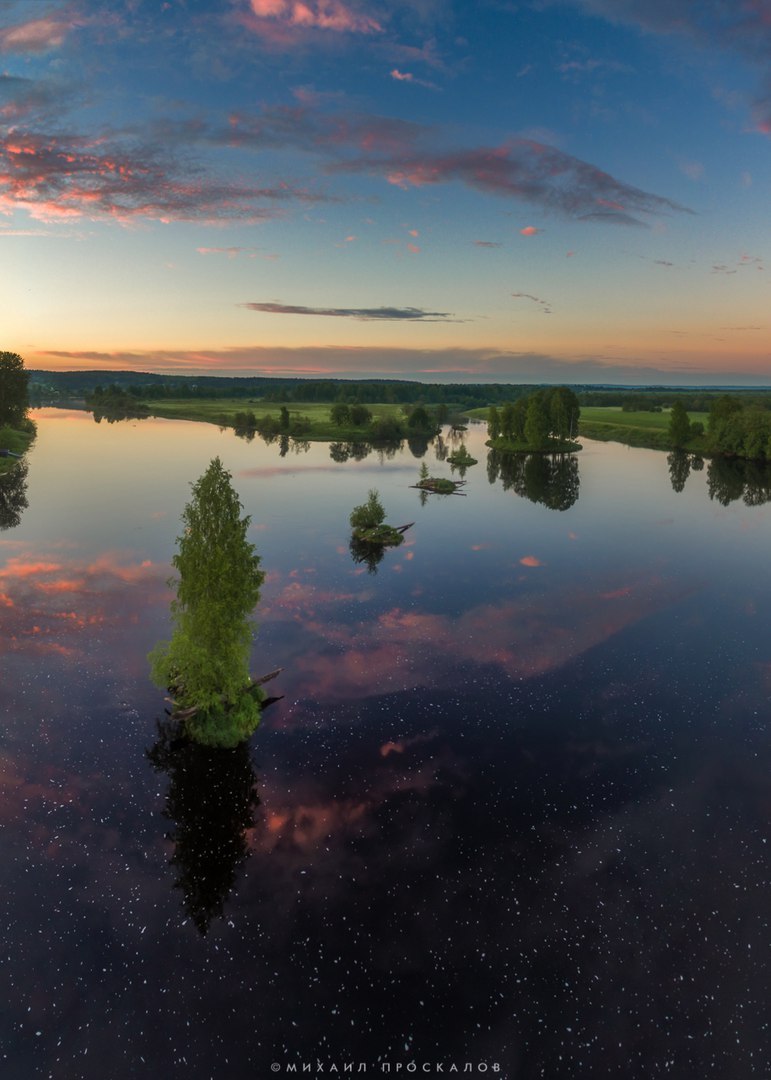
(223, 411)
(651, 429)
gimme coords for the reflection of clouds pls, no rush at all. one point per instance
(46, 605)
(523, 637)
(313, 816)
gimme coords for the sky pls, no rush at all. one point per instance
(537, 191)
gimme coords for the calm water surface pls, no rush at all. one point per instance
(512, 808)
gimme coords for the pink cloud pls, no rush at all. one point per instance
(35, 36)
(402, 76)
(530, 560)
(55, 178)
(530, 230)
(413, 248)
(522, 169)
(330, 15)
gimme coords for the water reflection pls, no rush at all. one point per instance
(115, 413)
(359, 450)
(13, 495)
(679, 463)
(731, 479)
(550, 479)
(369, 555)
(211, 802)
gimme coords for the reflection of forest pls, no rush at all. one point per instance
(550, 479)
(729, 479)
(357, 451)
(113, 414)
(211, 800)
(13, 495)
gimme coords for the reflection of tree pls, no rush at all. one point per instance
(550, 479)
(116, 413)
(418, 445)
(211, 801)
(729, 479)
(441, 449)
(679, 469)
(342, 451)
(370, 555)
(13, 495)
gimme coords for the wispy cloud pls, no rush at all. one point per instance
(486, 243)
(232, 251)
(408, 77)
(410, 314)
(545, 305)
(22, 98)
(523, 169)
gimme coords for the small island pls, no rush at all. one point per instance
(369, 526)
(438, 485)
(461, 458)
(544, 422)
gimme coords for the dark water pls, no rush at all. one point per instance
(511, 811)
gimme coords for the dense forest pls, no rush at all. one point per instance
(50, 386)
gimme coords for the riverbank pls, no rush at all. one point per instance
(17, 440)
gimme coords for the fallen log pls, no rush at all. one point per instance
(266, 678)
(185, 714)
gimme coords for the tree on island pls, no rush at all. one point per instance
(369, 515)
(14, 398)
(206, 663)
(370, 535)
(537, 421)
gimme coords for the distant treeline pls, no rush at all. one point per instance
(66, 385)
(653, 400)
(49, 385)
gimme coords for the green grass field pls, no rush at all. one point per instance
(223, 410)
(609, 423)
(612, 424)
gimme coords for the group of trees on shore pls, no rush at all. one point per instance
(14, 390)
(355, 418)
(535, 421)
(734, 429)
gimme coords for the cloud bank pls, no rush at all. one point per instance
(409, 314)
(427, 365)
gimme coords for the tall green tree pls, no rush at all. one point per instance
(536, 423)
(679, 426)
(564, 411)
(493, 423)
(14, 397)
(206, 663)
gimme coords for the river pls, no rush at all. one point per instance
(511, 809)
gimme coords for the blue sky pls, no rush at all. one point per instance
(536, 191)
